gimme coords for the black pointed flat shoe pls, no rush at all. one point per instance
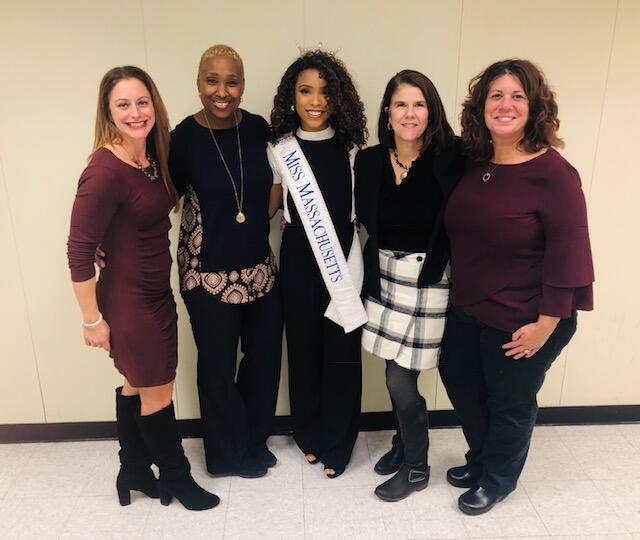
(478, 501)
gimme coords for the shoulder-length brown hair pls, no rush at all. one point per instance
(107, 133)
(439, 135)
(346, 111)
(543, 123)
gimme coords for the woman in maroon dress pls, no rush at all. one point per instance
(123, 202)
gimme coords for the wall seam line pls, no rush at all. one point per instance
(24, 295)
(593, 164)
(144, 36)
(457, 103)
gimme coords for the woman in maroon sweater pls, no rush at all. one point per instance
(521, 267)
(123, 203)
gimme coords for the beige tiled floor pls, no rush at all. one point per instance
(579, 482)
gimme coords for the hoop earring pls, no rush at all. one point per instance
(292, 108)
(389, 126)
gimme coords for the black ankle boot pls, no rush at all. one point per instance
(460, 477)
(391, 461)
(160, 432)
(403, 483)
(478, 501)
(135, 461)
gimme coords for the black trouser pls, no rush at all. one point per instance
(495, 395)
(237, 411)
(325, 374)
(410, 412)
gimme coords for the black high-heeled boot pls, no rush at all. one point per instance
(135, 461)
(160, 432)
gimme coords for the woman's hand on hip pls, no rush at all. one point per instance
(100, 336)
(530, 338)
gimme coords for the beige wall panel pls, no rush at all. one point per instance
(265, 35)
(442, 399)
(20, 399)
(604, 359)
(47, 112)
(569, 40)
(376, 39)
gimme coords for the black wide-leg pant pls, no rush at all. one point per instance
(495, 395)
(237, 410)
(325, 372)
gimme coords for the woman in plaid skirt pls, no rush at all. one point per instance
(402, 185)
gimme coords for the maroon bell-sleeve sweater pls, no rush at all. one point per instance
(520, 242)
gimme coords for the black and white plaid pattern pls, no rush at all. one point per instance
(408, 323)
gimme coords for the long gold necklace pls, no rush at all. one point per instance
(240, 217)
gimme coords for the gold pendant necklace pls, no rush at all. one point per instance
(240, 217)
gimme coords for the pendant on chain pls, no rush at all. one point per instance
(240, 217)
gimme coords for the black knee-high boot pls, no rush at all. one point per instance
(135, 459)
(160, 433)
(413, 474)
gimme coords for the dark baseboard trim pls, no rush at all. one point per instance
(371, 421)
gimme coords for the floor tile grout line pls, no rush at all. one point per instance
(524, 487)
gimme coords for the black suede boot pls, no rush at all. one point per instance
(160, 432)
(391, 461)
(135, 459)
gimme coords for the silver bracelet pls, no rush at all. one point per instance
(93, 324)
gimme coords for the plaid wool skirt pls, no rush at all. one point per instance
(407, 324)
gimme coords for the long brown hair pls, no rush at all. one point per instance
(158, 138)
(542, 125)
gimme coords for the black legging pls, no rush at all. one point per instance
(410, 412)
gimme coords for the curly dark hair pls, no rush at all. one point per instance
(543, 123)
(438, 136)
(346, 111)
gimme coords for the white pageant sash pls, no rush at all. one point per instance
(342, 278)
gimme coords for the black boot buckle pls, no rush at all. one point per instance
(416, 475)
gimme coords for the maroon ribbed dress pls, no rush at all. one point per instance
(116, 206)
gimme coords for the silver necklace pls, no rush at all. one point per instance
(152, 175)
(487, 176)
(399, 163)
(240, 217)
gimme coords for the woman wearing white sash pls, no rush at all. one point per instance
(316, 101)
(402, 185)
